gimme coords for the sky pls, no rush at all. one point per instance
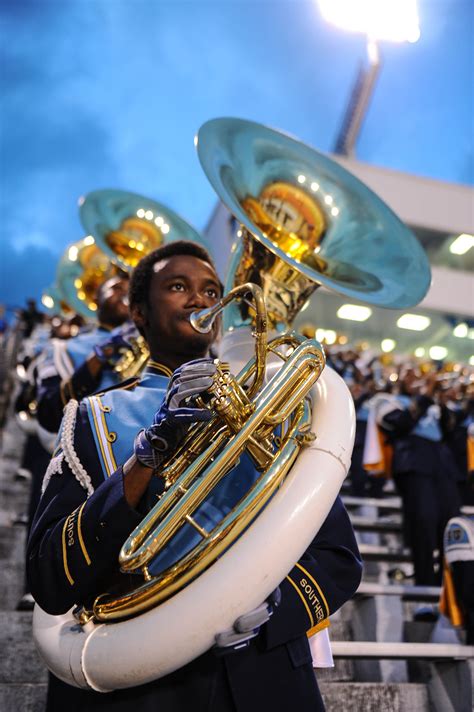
(110, 93)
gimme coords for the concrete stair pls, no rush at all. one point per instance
(374, 697)
(375, 615)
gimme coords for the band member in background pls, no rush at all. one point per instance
(83, 365)
(99, 496)
(30, 317)
(457, 597)
(422, 468)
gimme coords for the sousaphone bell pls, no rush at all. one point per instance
(306, 221)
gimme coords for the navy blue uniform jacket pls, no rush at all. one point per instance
(78, 531)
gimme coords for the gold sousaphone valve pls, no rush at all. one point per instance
(227, 398)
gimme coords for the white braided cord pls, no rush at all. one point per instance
(55, 467)
(67, 444)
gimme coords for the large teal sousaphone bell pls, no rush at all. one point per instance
(82, 269)
(127, 226)
(306, 221)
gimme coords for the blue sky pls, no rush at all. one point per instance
(109, 93)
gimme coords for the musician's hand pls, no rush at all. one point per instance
(189, 380)
(248, 625)
(111, 349)
(176, 412)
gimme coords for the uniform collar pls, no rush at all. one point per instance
(105, 327)
(154, 368)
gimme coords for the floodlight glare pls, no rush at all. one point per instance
(47, 301)
(354, 312)
(415, 322)
(330, 337)
(391, 20)
(438, 353)
(73, 253)
(462, 244)
(461, 331)
(327, 335)
(387, 345)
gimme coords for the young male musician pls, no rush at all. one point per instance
(77, 367)
(88, 511)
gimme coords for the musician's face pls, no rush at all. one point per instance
(180, 285)
(113, 302)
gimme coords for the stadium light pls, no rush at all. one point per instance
(461, 331)
(462, 244)
(354, 312)
(385, 20)
(438, 353)
(379, 20)
(387, 345)
(47, 301)
(414, 322)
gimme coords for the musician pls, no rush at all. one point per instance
(362, 483)
(422, 469)
(94, 497)
(30, 317)
(82, 365)
(458, 412)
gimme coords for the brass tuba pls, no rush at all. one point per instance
(305, 221)
(82, 269)
(126, 227)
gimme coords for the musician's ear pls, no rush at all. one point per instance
(138, 312)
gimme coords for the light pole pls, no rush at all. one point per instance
(379, 20)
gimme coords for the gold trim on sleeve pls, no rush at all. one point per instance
(79, 534)
(66, 567)
(317, 587)
(308, 611)
(320, 626)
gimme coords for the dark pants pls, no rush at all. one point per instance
(429, 501)
(248, 680)
(363, 484)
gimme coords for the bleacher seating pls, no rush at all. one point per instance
(384, 661)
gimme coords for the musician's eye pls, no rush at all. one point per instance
(212, 293)
(177, 287)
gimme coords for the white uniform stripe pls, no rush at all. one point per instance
(102, 434)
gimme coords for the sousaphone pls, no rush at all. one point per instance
(306, 221)
(81, 271)
(127, 226)
(300, 214)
